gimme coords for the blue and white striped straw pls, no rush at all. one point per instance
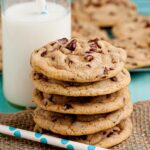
(45, 139)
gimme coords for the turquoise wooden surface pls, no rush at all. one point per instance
(139, 87)
(4, 105)
(143, 6)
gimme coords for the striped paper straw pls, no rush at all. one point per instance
(45, 139)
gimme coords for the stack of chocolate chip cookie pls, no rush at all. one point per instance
(81, 91)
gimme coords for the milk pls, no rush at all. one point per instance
(25, 30)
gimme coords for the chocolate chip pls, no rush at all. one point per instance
(123, 72)
(63, 40)
(93, 46)
(147, 24)
(104, 77)
(96, 3)
(102, 38)
(101, 52)
(54, 117)
(130, 38)
(138, 45)
(52, 44)
(110, 134)
(72, 45)
(36, 51)
(129, 56)
(44, 53)
(39, 76)
(34, 74)
(135, 20)
(133, 7)
(109, 1)
(53, 58)
(114, 79)
(88, 65)
(112, 13)
(124, 99)
(104, 132)
(70, 62)
(114, 61)
(68, 106)
(89, 57)
(106, 70)
(91, 50)
(111, 68)
(134, 64)
(97, 77)
(94, 42)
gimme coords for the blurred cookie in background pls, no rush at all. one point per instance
(87, 30)
(105, 13)
(138, 30)
(138, 54)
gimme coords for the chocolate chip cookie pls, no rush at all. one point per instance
(105, 139)
(81, 105)
(77, 125)
(85, 29)
(51, 86)
(108, 138)
(106, 12)
(78, 60)
(138, 30)
(138, 54)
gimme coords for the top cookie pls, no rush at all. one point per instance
(78, 60)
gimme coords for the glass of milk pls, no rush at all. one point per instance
(28, 25)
